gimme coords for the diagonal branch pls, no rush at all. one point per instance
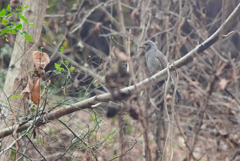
(131, 89)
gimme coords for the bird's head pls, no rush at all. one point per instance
(147, 45)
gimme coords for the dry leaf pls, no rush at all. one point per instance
(97, 28)
(28, 88)
(223, 83)
(40, 59)
(121, 56)
(35, 91)
(26, 91)
(135, 16)
(40, 72)
(233, 101)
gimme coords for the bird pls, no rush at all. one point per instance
(156, 61)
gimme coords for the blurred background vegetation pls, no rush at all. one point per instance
(90, 33)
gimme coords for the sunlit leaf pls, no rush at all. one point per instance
(72, 68)
(19, 26)
(5, 21)
(62, 49)
(2, 13)
(28, 38)
(9, 14)
(13, 32)
(8, 8)
(67, 62)
(4, 31)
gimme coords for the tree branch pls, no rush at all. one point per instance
(131, 89)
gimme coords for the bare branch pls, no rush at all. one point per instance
(131, 89)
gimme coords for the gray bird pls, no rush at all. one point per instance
(156, 61)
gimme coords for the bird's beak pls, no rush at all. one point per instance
(141, 45)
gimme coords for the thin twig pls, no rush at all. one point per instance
(125, 151)
(88, 14)
(141, 85)
(168, 118)
(35, 147)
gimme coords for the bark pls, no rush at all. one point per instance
(21, 63)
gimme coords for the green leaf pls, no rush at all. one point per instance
(94, 118)
(72, 68)
(62, 49)
(24, 33)
(21, 7)
(31, 24)
(108, 138)
(9, 14)
(13, 32)
(57, 65)
(28, 38)
(12, 27)
(19, 26)
(14, 96)
(2, 13)
(4, 31)
(25, 20)
(19, 95)
(26, 6)
(4, 21)
(8, 8)
(67, 62)
(22, 17)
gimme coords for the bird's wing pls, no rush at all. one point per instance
(163, 61)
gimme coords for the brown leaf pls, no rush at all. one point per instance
(223, 83)
(24, 80)
(28, 88)
(26, 91)
(40, 72)
(135, 16)
(40, 59)
(156, 27)
(97, 28)
(35, 91)
(121, 56)
(222, 132)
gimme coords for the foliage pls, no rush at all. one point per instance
(103, 48)
(10, 27)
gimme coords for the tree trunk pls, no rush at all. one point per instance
(21, 63)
